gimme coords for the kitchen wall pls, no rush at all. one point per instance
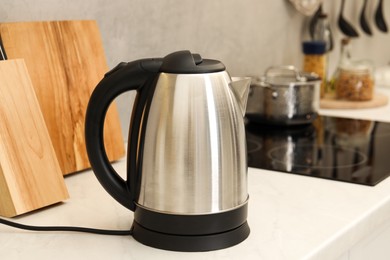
(247, 35)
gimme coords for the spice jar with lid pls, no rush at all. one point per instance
(355, 82)
(353, 79)
(315, 61)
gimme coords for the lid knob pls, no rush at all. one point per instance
(184, 62)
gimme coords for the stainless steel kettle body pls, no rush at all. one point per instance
(187, 166)
(194, 157)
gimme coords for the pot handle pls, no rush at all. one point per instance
(270, 88)
(136, 75)
(278, 70)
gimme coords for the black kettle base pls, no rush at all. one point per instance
(190, 243)
(191, 233)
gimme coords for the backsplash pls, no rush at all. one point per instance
(248, 36)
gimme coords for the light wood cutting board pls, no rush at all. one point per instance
(65, 60)
(331, 103)
(30, 176)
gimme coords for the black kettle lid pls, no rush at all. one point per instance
(184, 62)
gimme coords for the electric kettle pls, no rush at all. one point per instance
(186, 164)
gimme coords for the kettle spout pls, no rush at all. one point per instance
(240, 87)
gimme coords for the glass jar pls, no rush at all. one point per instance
(344, 60)
(354, 82)
(315, 61)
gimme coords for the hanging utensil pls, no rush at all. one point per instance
(314, 20)
(323, 32)
(344, 25)
(305, 7)
(363, 21)
(379, 17)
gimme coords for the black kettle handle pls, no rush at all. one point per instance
(124, 77)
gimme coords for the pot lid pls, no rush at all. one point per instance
(286, 75)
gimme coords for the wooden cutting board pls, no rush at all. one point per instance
(65, 60)
(30, 176)
(331, 103)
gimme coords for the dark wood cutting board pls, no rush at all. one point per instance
(65, 60)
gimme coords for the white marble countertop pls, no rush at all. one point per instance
(290, 216)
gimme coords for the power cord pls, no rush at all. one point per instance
(68, 228)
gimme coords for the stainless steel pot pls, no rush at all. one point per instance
(284, 96)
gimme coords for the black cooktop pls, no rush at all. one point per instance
(342, 149)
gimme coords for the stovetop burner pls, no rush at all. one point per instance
(342, 149)
(313, 157)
